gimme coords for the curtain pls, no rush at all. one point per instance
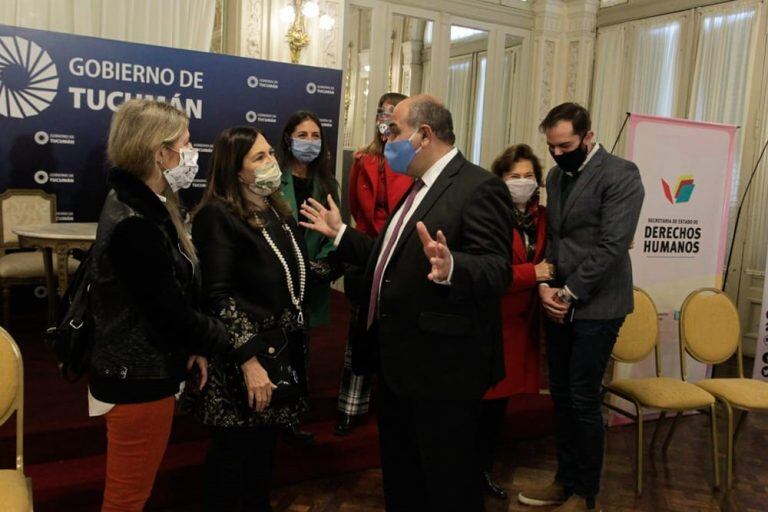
(607, 108)
(654, 65)
(460, 97)
(477, 123)
(637, 69)
(727, 41)
(726, 46)
(186, 24)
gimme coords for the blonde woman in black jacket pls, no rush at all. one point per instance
(145, 286)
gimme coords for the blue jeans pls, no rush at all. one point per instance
(578, 353)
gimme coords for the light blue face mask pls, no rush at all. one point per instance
(306, 150)
(399, 154)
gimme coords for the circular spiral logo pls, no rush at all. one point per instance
(311, 87)
(28, 79)
(41, 177)
(42, 138)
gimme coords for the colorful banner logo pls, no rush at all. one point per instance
(683, 191)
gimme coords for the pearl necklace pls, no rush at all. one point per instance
(296, 300)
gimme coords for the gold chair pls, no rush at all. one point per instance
(710, 332)
(15, 488)
(23, 207)
(638, 336)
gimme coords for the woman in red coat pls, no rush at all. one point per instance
(374, 191)
(521, 171)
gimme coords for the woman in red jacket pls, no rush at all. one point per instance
(374, 191)
(521, 171)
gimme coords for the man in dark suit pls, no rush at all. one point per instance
(432, 324)
(593, 205)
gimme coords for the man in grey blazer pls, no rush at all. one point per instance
(593, 205)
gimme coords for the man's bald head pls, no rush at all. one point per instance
(427, 109)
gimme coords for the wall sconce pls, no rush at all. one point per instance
(295, 14)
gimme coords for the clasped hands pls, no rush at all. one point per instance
(554, 307)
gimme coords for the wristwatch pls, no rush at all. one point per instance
(564, 296)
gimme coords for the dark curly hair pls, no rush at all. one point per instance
(513, 154)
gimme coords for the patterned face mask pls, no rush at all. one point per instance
(383, 116)
(268, 179)
(183, 174)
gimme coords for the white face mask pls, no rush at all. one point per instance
(521, 189)
(183, 174)
(268, 179)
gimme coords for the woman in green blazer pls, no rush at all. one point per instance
(308, 172)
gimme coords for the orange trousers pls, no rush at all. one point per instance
(137, 436)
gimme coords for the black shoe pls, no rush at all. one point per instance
(297, 437)
(492, 488)
(345, 425)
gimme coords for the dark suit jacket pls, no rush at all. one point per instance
(433, 341)
(590, 236)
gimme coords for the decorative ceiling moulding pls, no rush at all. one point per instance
(640, 9)
(509, 13)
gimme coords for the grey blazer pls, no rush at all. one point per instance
(589, 238)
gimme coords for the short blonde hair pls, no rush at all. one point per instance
(138, 129)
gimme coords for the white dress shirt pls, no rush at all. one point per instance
(595, 148)
(429, 179)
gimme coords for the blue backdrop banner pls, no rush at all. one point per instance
(58, 93)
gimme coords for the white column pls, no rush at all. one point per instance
(581, 35)
(245, 35)
(563, 52)
(547, 74)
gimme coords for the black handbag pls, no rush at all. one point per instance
(282, 354)
(72, 335)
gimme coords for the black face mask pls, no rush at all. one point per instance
(572, 160)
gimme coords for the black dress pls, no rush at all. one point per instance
(244, 284)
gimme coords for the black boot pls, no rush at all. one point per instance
(345, 425)
(294, 436)
(492, 488)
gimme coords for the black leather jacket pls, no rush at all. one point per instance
(144, 299)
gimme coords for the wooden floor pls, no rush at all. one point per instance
(680, 481)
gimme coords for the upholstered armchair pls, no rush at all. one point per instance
(22, 207)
